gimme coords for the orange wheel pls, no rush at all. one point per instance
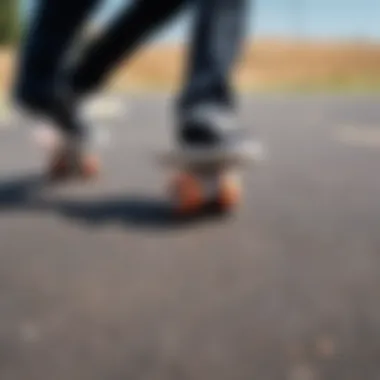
(229, 193)
(188, 194)
(89, 167)
(62, 169)
(59, 168)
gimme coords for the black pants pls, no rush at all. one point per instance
(217, 36)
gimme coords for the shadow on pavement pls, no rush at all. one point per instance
(26, 194)
(132, 210)
(19, 193)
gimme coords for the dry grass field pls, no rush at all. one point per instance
(265, 65)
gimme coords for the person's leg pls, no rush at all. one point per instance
(207, 101)
(52, 30)
(43, 88)
(127, 33)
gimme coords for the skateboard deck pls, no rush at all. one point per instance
(221, 158)
(209, 177)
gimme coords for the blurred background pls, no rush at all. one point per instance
(302, 45)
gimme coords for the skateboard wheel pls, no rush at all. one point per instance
(188, 194)
(62, 168)
(192, 194)
(229, 193)
(89, 167)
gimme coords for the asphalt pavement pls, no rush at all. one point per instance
(97, 281)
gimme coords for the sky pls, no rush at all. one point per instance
(310, 19)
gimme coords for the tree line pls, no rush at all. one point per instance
(9, 22)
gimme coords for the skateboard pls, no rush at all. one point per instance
(207, 180)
